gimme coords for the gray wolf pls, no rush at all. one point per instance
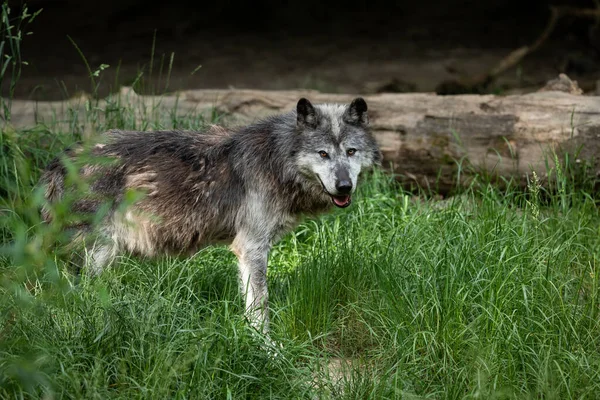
(245, 186)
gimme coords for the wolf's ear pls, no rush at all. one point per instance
(356, 113)
(306, 114)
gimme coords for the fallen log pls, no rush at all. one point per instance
(425, 138)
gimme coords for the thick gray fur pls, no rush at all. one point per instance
(246, 187)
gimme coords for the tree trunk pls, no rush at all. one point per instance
(426, 139)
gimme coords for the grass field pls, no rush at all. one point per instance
(492, 294)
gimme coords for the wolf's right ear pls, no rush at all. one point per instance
(306, 114)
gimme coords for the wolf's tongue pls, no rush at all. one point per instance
(341, 201)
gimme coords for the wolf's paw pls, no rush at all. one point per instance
(266, 343)
(273, 348)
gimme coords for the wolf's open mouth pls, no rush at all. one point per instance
(341, 201)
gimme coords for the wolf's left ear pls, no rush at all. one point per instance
(356, 113)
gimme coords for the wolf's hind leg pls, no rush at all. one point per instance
(92, 252)
(99, 256)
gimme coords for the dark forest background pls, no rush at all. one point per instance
(335, 46)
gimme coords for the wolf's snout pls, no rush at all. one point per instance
(343, 186)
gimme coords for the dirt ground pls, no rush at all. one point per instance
(327, 67)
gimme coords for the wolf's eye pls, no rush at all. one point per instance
(351, 152)
(323, 154)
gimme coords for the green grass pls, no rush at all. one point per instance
(480, 296)
(492, 294)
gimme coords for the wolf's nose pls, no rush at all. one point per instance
(343, 186)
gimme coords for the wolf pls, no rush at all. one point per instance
(244, 186)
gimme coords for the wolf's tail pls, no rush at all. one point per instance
(53, 179)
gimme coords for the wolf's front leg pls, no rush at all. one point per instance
(252, 256)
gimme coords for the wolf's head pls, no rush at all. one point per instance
(336, 145)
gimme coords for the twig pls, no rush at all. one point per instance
(481, 81)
